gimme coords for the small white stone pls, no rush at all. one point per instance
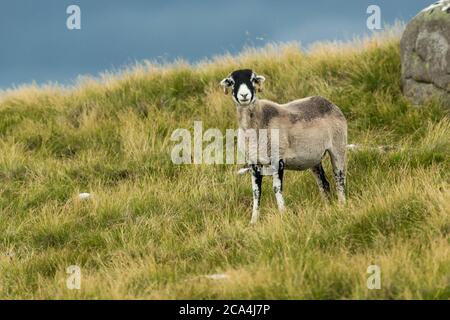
(217, 276)
(84, 196)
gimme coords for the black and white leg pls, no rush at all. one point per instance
(322, 182)
(256, 188)
(338, 163)
(278, 184)
(339, 176)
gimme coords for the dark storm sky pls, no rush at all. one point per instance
(35, 44)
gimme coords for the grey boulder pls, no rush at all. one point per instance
(425, 55)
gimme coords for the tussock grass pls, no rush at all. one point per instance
(154, 230)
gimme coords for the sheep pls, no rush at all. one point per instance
(308, 129)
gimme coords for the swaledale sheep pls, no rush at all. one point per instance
(308, 128)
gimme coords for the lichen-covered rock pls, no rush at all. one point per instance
(425, 54)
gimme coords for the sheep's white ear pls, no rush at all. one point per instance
(226, 84)
(259, 81)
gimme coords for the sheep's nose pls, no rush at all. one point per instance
(244, 95)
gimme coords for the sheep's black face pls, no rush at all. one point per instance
(243, 84)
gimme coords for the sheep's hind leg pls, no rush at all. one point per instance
(322, 182)
(256, 188)
(278, 184)
(338, 163)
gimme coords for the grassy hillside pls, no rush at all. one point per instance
(155, 230)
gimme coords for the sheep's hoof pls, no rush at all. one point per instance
(253, 221)
(255, 215)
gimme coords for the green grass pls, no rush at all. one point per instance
(154, 230)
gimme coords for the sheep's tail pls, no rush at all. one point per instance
(243, 170)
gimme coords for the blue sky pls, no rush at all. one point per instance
(35, 44)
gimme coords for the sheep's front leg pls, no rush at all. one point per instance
(256, 188)
(278, 184)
